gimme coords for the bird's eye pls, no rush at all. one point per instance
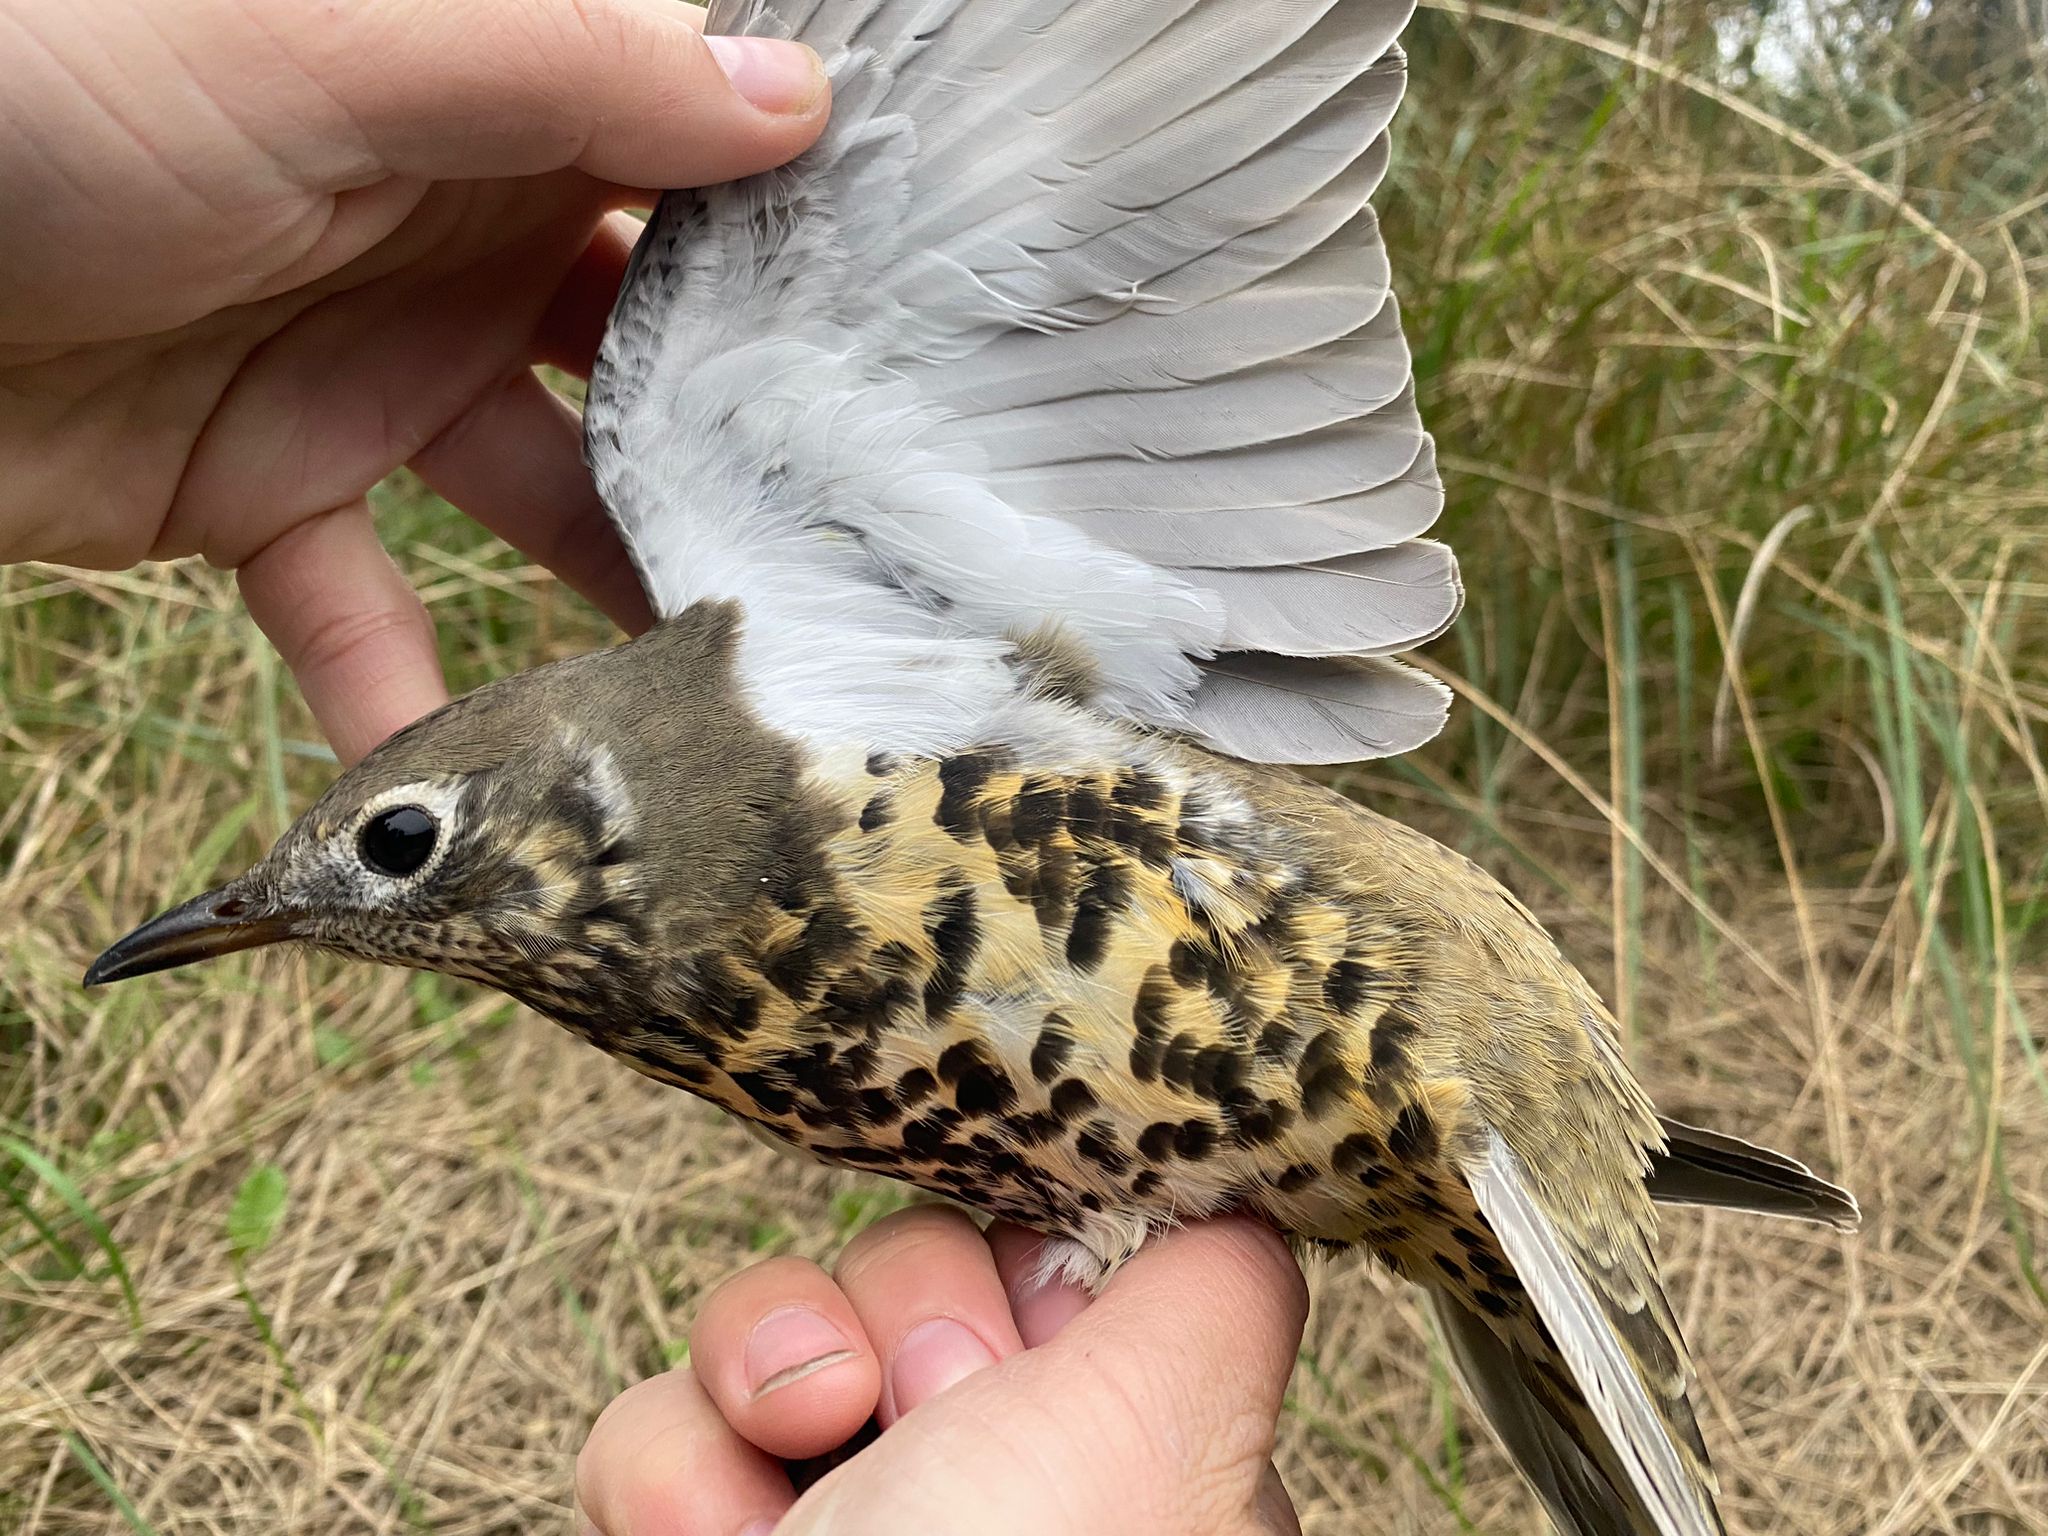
(397, 842)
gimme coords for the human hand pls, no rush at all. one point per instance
(1005, 1411)
(260, 254)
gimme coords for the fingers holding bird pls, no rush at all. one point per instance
(789, 1362)
(789, 1365)
(927, 1291)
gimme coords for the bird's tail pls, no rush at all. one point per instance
(1701, 1167)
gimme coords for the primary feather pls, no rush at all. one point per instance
(1076, 322)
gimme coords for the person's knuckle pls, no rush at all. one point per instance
(333, 638)
(921, 1231)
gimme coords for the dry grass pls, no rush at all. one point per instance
(1656, 308)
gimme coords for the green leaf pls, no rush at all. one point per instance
(97, 1471)
(258, 1208)
(67, 1191)
(332, 1048)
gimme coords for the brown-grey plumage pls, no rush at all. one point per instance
(1045, 430)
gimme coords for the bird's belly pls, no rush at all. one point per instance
(1091, 1004)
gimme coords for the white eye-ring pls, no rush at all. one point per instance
(403, 831)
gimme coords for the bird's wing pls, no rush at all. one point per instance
(1593, 1406)
(1074, 329)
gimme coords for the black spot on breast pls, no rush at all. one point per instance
(1414, 1137)
(1139, 789)
(1087, 809)
(894, 958)
(770, 1097)
(1156, 1140)
(819, 1073)
(955, 933)
(872, 1157)
(1146, 837)
(1451, 1268)
(1345, 987)
(793, 970)
(1392, 1035)
(726, 1000)
(1047, 882)
(924, 1137)
(960, 1058)
(1195, 1140)
(1148, 1018)
(1357, 1153)
(1275, 1041)
(1193, 962)
(1491, 1303)
(1104, 894)
(1035, 1129)
(1072, 1099)
(1038, 812)
(1098, 1144)
(864, 1004)
(880, 765)
(961, 781)
(875, 813)
(1253, 1121)
(1177, 1064)
(980, 1086)
(1321, 1072)
(1054, 1046)
(915, 1086)
(1146, 1184)
(1295, 1176)
(1219, 1072)
(877, 1107)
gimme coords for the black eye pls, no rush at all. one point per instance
(398, 841)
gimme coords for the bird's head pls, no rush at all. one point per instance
(541, 827)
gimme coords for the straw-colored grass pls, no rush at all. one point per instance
(1741, 406)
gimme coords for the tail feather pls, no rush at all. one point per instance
(1702, 1167)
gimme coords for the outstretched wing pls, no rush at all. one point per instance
(1074, 331)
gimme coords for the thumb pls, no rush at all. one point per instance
(1153, 1409)
(629, 91)
(1201, 1328)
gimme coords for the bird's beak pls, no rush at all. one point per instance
(218, 923)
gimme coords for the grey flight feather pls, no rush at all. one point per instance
(1077, 317)
(1493, 1373)
(1630, 1437)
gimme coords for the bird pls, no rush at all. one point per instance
(1028, 483)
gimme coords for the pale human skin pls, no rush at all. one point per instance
(1007, 1409)
(258, 254)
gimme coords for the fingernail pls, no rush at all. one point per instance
(931, 1358)
(774, 75)
(787, 1345)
